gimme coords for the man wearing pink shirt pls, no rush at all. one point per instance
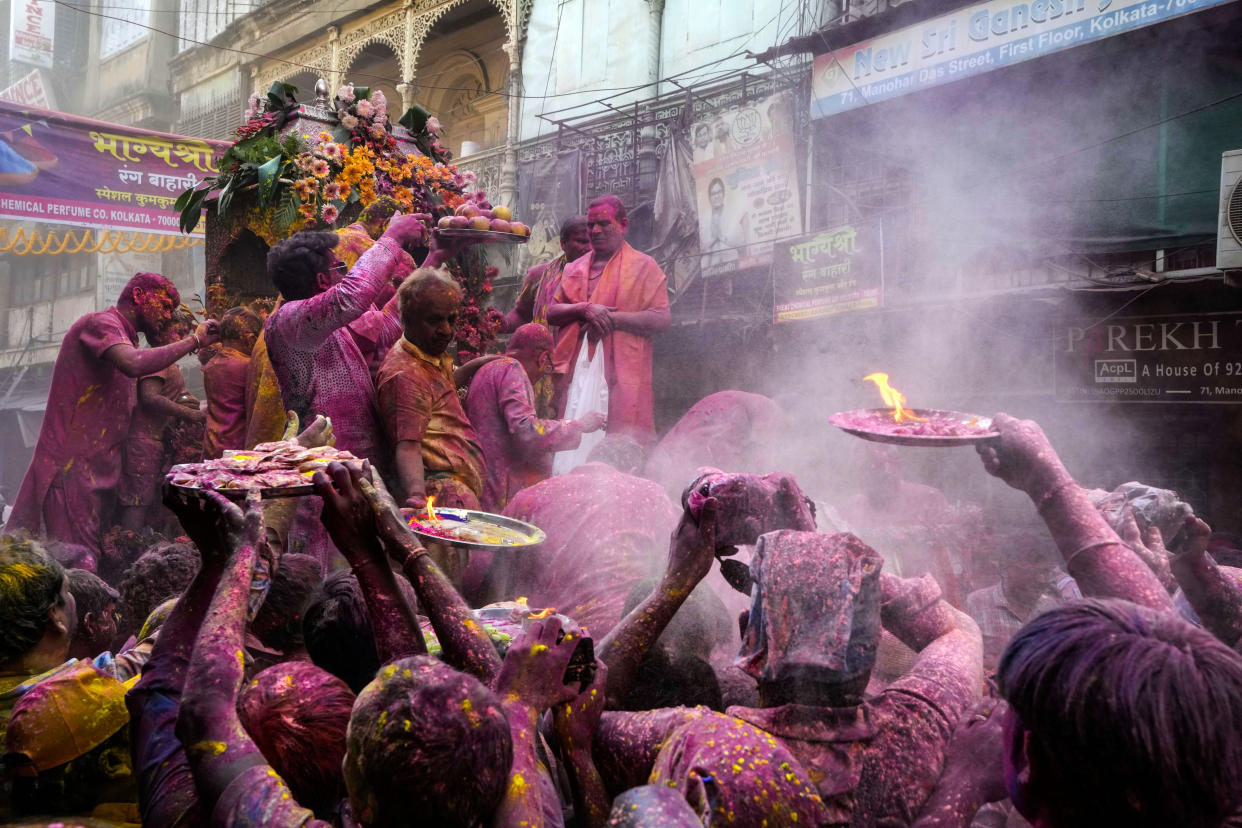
(69, 487)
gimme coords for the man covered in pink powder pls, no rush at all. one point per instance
(69, 488)
(318, 359)
(518, 445)
(617, 298)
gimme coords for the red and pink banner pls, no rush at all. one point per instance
(63, 169)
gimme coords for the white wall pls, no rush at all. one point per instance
(693, 33)
(602, 44)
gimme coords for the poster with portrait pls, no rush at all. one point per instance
(746, 183)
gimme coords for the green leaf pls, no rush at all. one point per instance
(415, 119)
(361, 93)
(192, 211)
(268, 172)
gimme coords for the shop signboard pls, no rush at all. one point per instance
(834, 271)
(1174, 358)
(746, 184)
(32, 32)
(29, 90)
(973, 40)
(92, 174)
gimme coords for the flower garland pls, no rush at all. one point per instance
(306, 182)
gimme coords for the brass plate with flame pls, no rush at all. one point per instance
(933, 427)
(469, 529)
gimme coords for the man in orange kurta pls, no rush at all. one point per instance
(617, 297)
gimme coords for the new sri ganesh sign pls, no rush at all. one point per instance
(67, 170)
(834, 271)
(973, 40)
(1178, 358)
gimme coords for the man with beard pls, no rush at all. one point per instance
(70, 484)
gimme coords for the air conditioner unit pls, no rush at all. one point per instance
(1229, 231)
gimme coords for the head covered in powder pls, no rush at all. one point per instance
(32, 597)
(278, 623)
(376, 215)
(1120, 715)
(97, 613)
(68, 744)
(240, 328)
(815, 615)
(295, 264)
(337, 630)
(152, 298)
(429, 300)
(297, 714)
(427, 745)
(160, 573)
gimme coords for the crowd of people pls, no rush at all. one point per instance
(697, 642)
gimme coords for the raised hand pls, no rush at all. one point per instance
(318, 433)
(347, 513)
(693, 546)
(213, 522)
(1022, 457)
(534, 668)
(575, 721)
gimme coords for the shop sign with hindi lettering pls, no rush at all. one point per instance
(63, 169)
(834, 271)
(1188, 358)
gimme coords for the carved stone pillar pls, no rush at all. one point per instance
(406, 90)
(508, 172)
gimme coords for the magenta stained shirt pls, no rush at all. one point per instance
(89, 407)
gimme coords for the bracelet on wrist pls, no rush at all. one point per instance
(413, 555)
(198, 343)
(1071, 557)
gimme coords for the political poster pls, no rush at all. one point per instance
(746, 184)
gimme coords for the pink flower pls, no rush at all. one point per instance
(331, 151)
(329, 213)
(319, 168)
(468, 177)
(349, 122)
(377, 132)
(332, 191)
(364, 109)
(433, 125)
(379, 101)
(345, 93)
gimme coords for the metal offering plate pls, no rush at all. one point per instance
(481, 236)
(940, 428)
(469, 529)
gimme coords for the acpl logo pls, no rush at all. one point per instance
(1116, 370)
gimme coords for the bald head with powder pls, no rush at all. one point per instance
(429, 301)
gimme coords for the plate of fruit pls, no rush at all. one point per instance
(480, 222)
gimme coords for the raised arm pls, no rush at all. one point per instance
(973, 770)
(574, 725)
(530, 682)
(166, 788)
(218, 747)
(690, 555)
(1215, 597)
(350, 519)
(463, 641)
(141, 362)
(949, 668)
(1101, 562)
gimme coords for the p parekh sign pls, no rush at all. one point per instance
(1190, 358)
(974, 40)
